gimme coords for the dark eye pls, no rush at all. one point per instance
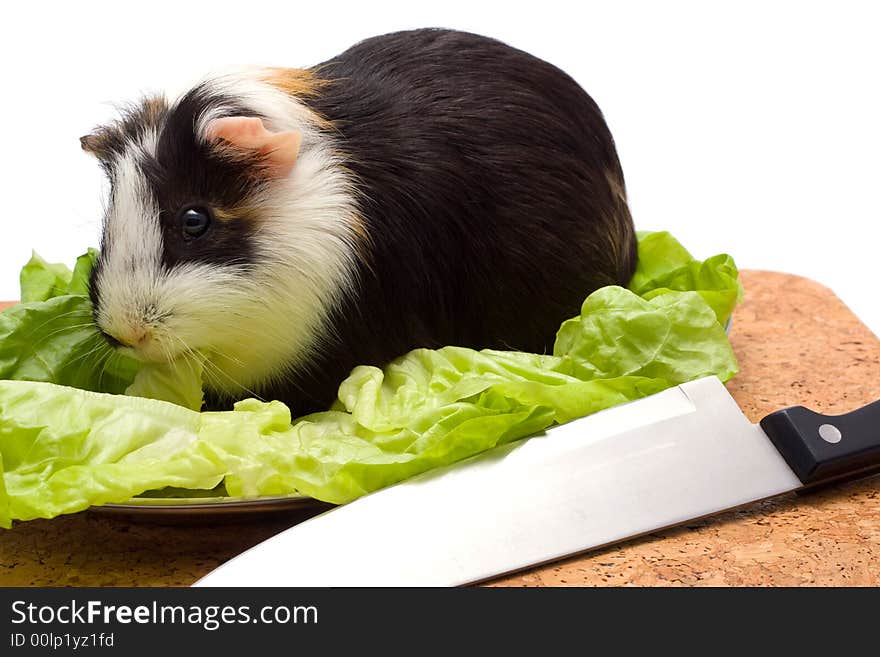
(195, 221)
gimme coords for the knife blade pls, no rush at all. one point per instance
(681, 454)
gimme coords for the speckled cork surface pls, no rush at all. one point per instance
(796, 344)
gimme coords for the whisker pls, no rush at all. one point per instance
(55, 318)
(100, 366)
(84, 358)
(102, 362)
(108, 358)
(217, 370)
(72, 327)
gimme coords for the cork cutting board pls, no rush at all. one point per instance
(796, 344)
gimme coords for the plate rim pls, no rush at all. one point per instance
(220, 504)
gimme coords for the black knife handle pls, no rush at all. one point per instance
(821, 447)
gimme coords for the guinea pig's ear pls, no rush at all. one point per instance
(98, 143)
(280, 149)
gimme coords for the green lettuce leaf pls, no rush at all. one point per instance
(79, 279)
(41, 280)
(178, 382)
(63, 448)
(666, 266)
(55, 341)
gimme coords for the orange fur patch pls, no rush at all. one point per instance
(299, 82)
(229, 215)
(295, 81)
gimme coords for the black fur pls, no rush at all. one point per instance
(186, 173)
(492, 194)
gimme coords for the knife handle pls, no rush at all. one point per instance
(822, 447)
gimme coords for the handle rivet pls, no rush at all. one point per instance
(830, 434)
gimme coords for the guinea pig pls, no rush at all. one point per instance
(424, 188)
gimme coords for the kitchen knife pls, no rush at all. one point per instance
(678, 455)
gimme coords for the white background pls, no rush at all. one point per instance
(750, 129)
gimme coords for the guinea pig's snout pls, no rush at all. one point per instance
(134, 325)
(126, 328)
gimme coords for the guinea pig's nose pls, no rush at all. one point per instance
(129, 337)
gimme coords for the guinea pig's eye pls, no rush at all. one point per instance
(195, 221)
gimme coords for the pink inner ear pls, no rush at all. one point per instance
(248, 133)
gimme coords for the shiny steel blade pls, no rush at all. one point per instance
(681, 454)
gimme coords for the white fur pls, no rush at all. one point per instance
(254, 326)
(131, 266)
(149, 141)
